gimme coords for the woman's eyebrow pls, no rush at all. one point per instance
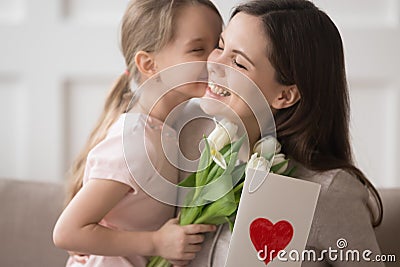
(239, 52)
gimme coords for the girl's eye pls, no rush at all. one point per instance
(239, 65)
(197, 50)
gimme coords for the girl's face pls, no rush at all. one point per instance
(242, 46)
(197, 29)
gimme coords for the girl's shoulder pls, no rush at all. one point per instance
(138, 127)
(126, 151)
(123, 126)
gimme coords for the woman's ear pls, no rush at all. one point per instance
(145, 64)
(287, 97)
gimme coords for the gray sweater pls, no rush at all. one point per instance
(342, 212)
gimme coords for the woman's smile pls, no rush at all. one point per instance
(216, 91)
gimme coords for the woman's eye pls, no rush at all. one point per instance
(239, 65)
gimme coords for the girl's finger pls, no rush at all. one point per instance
(192, 249)
(188, 256)
(199, 228)
(81, 258)
(195, 239)
(179, 263)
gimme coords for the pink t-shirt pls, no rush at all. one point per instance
(131, 135)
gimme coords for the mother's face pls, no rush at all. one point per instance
(243, 46)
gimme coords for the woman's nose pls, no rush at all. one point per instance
(216, 63)
(216, 69)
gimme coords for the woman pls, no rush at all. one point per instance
(293, 52)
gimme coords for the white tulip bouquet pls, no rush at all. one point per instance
(218, 166)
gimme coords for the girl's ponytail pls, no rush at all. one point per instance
(116, 103)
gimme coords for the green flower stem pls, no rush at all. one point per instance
(204, 165)
(290, 172)
(189, 214)
(219, 211)
(238, 187)
(189, 181)
(217, 171)
(157, 261)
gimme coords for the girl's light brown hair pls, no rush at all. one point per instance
(147, 25)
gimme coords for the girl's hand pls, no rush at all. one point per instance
(179, 244)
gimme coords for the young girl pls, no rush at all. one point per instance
(110, 215)
(294, 53)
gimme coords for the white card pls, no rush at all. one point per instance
(276, 214)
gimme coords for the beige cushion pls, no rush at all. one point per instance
(29, 211)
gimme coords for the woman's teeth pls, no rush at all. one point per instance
(218, 90)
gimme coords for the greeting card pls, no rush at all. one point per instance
(273, 220)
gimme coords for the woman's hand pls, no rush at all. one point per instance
(179, 244)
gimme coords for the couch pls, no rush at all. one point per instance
(29, 211)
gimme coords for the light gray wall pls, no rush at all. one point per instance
(58, 58)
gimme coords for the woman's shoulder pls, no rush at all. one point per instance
(338, 183)
(342, 195)
(342, 212)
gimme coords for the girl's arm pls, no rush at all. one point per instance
(78, 228)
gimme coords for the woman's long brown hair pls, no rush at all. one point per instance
(306, 50)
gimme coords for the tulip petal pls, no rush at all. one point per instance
(219, 159)
(258, 163)
(267, 147)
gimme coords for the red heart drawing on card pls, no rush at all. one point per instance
(267, 237)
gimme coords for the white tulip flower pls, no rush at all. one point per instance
(267, 147)
(258, 163)
(223, 134)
